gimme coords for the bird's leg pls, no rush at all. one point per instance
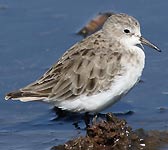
(87, 119)
(97, 117)
(94, 120)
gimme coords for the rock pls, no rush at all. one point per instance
(113, 134)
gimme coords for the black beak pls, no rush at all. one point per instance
(146, 42)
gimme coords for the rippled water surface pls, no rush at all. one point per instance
(34, 34)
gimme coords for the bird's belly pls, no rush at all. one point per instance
(98, 102)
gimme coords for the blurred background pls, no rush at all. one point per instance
(34, 34)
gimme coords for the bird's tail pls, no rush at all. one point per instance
(24, 96)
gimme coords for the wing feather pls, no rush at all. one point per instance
(83, 70)
(83, 74)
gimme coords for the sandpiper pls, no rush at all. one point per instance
(95, 72)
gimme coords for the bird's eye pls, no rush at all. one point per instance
(127, 31)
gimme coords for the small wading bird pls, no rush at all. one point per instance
(95, 72)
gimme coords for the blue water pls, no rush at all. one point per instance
(34, 34)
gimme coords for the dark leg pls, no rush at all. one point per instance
(87, 119)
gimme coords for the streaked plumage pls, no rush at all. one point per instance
(94, 73)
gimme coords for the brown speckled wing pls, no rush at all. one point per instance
(84, 74)
(81, 70)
